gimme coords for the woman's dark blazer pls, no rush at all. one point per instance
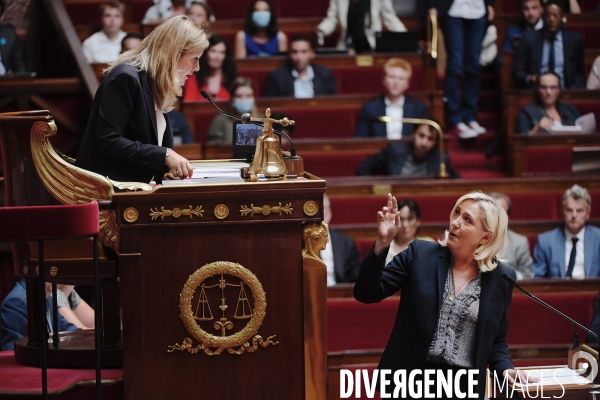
(420, 272)
(531, 115)
(121, 139)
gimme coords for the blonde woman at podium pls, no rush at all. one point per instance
(453, 312)
(129, 136)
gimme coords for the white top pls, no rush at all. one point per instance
(303, 87)
(2, 68)
(161, 126)
(98, 49)
(395, 111)
(579, 268)
(467, 9)
(327, 258)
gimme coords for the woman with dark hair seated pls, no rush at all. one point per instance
(546, 110)
(410, 217)
(260, 36)
(217, 71)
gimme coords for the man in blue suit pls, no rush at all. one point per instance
(393, 103)
(532, 21)
(572, 250)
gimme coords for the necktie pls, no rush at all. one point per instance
(572, 258)
(551, 55)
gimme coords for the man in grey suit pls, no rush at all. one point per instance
(572, 250)
(516, 252)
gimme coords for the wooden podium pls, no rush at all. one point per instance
(217, 302)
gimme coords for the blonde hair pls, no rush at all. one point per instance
(494, 220)
(159, 53)
(398, 63)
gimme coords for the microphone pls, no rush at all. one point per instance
(246, 119)
(511, 280)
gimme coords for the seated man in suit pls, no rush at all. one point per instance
(393, 103)
(532, 21)
(11, 51)
(572, 250)
(300, 78)
(546, 110)
(420, 157)
(340, 255)
(553, 48)
(516, 252)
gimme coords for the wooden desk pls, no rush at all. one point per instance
(171, 234)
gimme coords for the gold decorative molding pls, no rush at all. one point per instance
(37, 269)
(215, 344)
(311, 208)
(266, 210)
(221, 211)
(315, 237)
(25, 270)
(131, 215)
(53, 270)
(176, 212)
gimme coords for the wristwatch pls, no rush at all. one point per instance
(167, 153)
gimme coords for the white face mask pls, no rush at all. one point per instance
(261, 18)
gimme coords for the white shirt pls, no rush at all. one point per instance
(327, 258)
(98, 49)
(303, 87)
(161, 126)
(579, 268)
(467, 9)
(395, 111)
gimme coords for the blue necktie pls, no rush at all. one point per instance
(572, 258)
(551, 55)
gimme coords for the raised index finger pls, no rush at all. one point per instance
(394, 205)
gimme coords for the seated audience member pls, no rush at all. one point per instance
(573, 249)
(14, 315)
(359, 20)
(393, 103)
(163, 10)
(553, 48)
(593, 82)
(546, 110)
(531, 20)
(260, 36)
(217, 71)
(569, 6)
(201, 13)
(11, 51)
(73, 308)
(340, 254)
(420, 157)
(300, 78)
(131, 41)
(410, 219)
(104, 46)
(516, 253)
(242, 101)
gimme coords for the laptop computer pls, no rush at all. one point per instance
(396, 42)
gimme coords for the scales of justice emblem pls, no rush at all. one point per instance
(199, 314)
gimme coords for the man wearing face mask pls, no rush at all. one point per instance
(241, 101)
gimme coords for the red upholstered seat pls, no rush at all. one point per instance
(326, 122)
(333, 164)
(543, 159)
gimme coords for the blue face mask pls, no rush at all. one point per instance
(243, 106)
(261, 18)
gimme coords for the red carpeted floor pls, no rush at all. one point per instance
(17, 380)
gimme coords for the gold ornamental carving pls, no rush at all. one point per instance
(25, 270)
(37, 269)
(131, 215)
(315, 238)
(231, 275)
(53, 270)
(311, 208)
(176, 212)
(266, 210)
(221, 211)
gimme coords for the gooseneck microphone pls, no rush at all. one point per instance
(574, 323)
(246, 119)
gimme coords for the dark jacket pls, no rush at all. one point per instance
(391, 159)
(420, 272)
(346, 258)
(442, 6)
(11, 50)
(369, 125)
(528, 57)
(121, 139)
(281, 82)
(532, 114)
